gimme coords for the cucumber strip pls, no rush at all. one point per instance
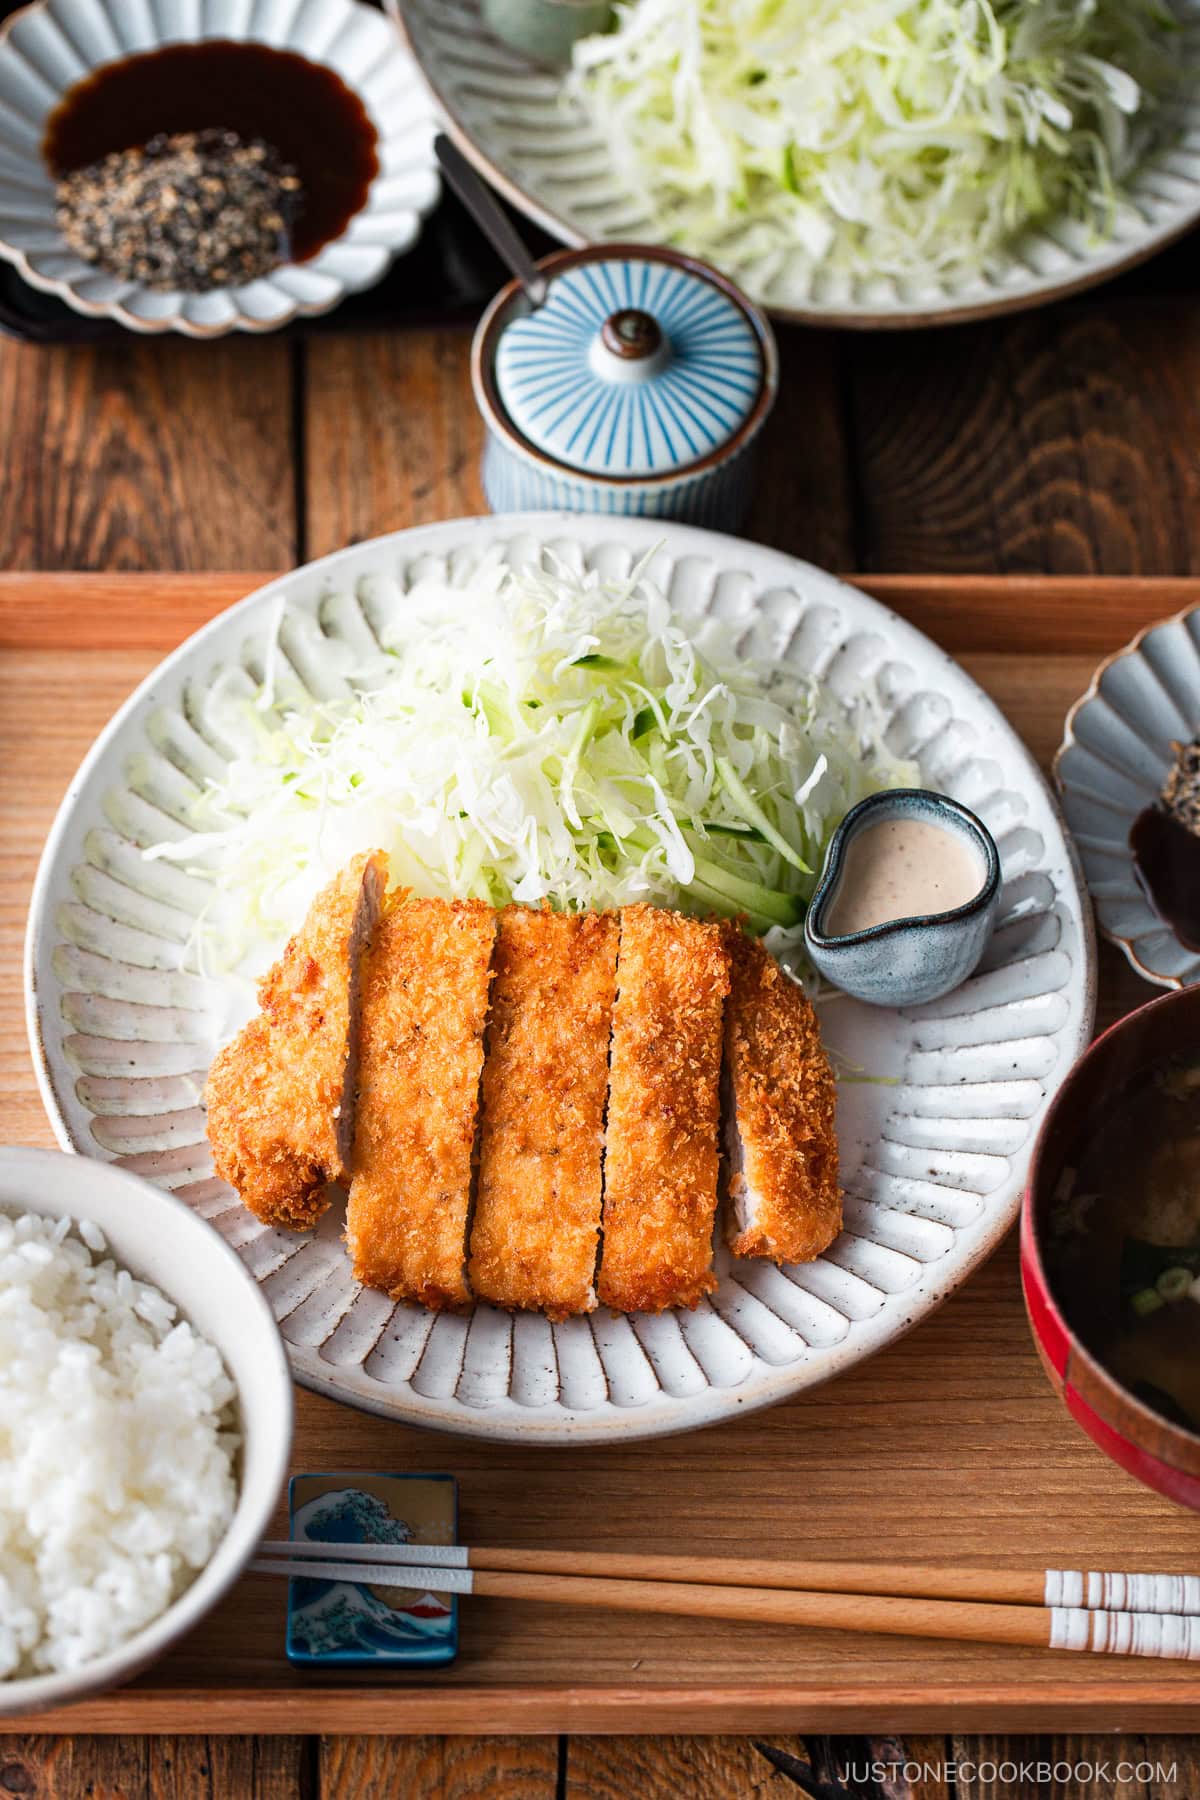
(754, 814)
(781, 909)
(746, 857)
(700, 894)
(748, 833)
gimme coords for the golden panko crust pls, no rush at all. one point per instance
(785, 1098)
(276, 1097)
(424, 1007)
(536, 1229)
(661, 1149)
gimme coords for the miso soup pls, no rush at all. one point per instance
(1123, 1246)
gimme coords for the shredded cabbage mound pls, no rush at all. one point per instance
(538, 734)
(878, 137)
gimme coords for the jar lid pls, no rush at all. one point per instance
(634, 365)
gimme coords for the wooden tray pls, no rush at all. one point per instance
(949, 1446)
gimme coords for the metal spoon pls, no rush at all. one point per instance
(483, 207)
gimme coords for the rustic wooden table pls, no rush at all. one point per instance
(1064, 441)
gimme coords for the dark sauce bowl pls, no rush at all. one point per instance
(1162, 1455)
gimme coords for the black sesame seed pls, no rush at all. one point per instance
(1181, 791)
(198, 210)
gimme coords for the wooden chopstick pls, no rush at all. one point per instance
(1092, 1590)
(1055, 1628)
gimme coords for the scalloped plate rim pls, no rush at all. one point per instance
(1041, 291)
(508, 1420)
(1125, 943)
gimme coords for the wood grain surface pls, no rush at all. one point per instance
(1058, 442)
(148, 456)
(120, 1767)
(1061, 443)
(949, 1448)
(392, 437)
(915, 1767)
(438, 1768)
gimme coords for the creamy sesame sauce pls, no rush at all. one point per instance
(902, 868)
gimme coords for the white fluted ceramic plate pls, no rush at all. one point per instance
(1113, 760)
(49, 46)
(542, 152)
(933, 1165)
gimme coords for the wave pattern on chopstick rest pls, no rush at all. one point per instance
(1097, 1589)
(1126, 1634)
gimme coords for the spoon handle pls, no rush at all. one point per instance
(483, 207)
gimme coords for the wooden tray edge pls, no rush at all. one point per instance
(1038, 614)
(407, 1711)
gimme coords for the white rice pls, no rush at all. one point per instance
(117, 1449)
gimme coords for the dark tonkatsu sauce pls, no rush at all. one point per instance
(302, 108)
(1166, 858)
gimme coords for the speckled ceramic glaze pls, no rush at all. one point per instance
(905, 961)
(159, 1238)
(538, 146)
(934, 1153)
(1115, 756)
(544, 30)
(639, 386)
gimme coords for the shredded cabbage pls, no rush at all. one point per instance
(539, 734)
(897, 137)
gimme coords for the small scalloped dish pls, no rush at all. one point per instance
(46, 48)
(1115, 756)
(912, 958)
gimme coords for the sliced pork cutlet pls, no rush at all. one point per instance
(280, 1096)
(536, 1229)
(661, 1144)
(780, 1101)
(424, 1008)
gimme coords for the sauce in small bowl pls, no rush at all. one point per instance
(906, 900)
(303, 110)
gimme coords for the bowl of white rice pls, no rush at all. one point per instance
(145, 1424)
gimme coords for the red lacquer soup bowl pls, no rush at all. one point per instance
(1163, 1455)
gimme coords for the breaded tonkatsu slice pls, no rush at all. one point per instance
(537, 1212)
(661, 1143)
(280, 1096)
(781, 1140)
(424, 1007)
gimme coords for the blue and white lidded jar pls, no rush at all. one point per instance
(639, 385)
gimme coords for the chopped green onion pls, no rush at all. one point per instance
(1173, 1284)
